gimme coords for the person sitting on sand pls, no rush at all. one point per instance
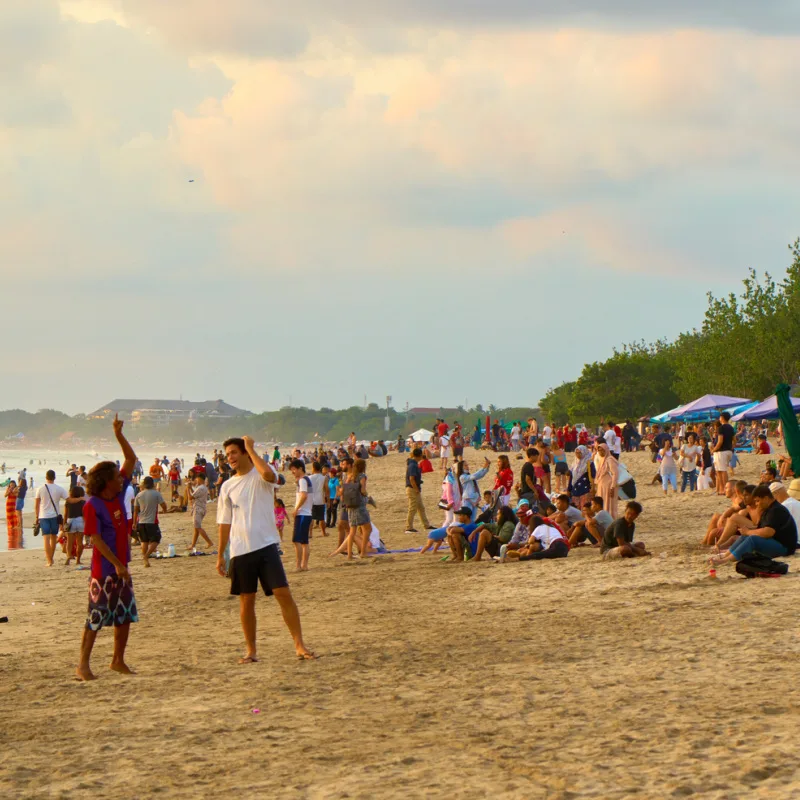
(458, 535)
(546, 541)
(775, 535)
(768, 475)
(717, 522)
(618, 539)
(491, 536)
(788, 498)
(740, 522)
(566, 515)
(588, 528)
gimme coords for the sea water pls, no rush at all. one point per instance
(38, 460)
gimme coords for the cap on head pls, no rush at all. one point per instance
(775, 486)
(794, 489)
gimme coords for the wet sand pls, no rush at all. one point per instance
(573, 678)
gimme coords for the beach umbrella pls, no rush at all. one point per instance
(421, 435)
(791, 430)
(766, 409)
(706, 403)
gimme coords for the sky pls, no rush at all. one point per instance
(439, 200)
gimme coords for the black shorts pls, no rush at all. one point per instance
(493, 547)
(318, 513)
(149, 532)
(302, 526)
(562, 468)
(264, 566)
(458, 451)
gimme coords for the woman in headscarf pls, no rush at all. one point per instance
(470, 491)
(607, 479)
(580, 486)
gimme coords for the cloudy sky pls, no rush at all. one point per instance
(435, 199)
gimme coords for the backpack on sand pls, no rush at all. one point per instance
(761, 567)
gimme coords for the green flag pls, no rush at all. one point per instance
(791, 430)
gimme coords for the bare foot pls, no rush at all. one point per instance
(85, 674)
(303, 653)
(209, 546)
(121, 667)
(66, 563)
(147, 562)
(48, 563)
(248, 660)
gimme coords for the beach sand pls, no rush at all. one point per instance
(573, 678)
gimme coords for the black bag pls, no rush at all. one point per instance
(758, 566)
(629, 487)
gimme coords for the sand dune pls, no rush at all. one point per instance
(573, 678)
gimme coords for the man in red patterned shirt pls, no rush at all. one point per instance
(111, 599)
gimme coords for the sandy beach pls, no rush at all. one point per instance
(563, 679)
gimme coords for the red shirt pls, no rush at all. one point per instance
(583, 437)
(174, 475)
(116, 538)
(442, 428)
(504, 480)
(560, 437)
(571, 435)
(764, 448)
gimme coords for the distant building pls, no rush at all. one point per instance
(161, 412)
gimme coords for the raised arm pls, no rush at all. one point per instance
(129, 457)
(263, 469)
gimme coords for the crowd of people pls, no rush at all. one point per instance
(571, 490)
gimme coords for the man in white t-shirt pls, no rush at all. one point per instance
(246, 518)
(613, 441)
(318, 504)
(47, 499)
(547, 433)
(691, 453)
(444, 451)
(303, 509)
(515, 434)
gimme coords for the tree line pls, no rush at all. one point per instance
(288, 424)
(747, 344)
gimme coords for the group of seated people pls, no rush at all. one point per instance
(762, 520)
(543, 531)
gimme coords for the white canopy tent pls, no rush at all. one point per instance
(422, 435)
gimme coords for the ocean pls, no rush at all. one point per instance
(38, 460)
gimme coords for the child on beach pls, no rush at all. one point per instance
(199, 502)
(281, 515)
(302, 513)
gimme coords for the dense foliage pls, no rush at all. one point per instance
(746, 345)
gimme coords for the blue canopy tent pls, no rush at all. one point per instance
(766, 409)
(706, 405)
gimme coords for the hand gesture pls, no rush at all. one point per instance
(117, 423)
(248, 442)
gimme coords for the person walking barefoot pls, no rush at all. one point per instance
(111, 598)
(246, 518)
